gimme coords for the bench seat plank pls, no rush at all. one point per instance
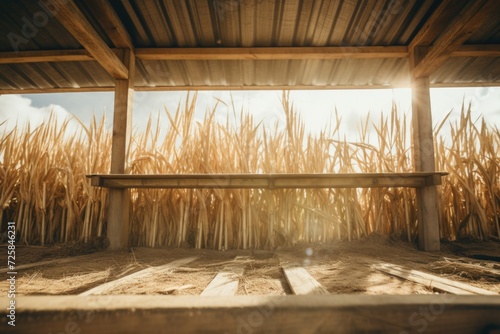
(267, 181)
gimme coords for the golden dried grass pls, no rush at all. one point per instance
(44, 189)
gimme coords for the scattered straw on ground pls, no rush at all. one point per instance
(342, 267)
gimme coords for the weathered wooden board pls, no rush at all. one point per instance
(443, 313)
(48, 263)
(436, 282)
(100, 289)
(301, 282)
(225, 283)
(270, 181)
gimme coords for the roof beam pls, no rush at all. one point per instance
(233, 87)
(438, 22)
(45, 56)
(109, 20)
(70, 16)
(487, 50)
(469, 20)
(272, 53)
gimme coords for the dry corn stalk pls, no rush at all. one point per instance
(43, 186)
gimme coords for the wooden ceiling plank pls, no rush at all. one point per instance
(39, 78)
(107, 17)
(138, 27)
(465, 24)
(70, 16)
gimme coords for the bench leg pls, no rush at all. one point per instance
(428, 220)
(118, 218)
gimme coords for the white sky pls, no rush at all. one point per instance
(315, 107)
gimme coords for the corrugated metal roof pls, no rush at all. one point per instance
(241, 23)
(261, 23)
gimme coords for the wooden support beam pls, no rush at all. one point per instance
(423, 157)
(269, 181)
(70, 16)
(486, 50)
(273, 53)
(267, 87)
(57, 90)
(301, 282)
(135, 277)
(225, 283)
(233, 87)
(107, 17)
(45, 56)
(437, 23)
(118, 209)
(468, 21)
(438, 283)
(443, 313)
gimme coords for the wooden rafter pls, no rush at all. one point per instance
(75, 22)
(463, 26)
(440, 19)
(107, 17)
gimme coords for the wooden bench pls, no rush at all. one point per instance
(267, 181)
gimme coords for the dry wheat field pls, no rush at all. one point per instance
(44, 188)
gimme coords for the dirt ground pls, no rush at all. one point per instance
(342, 267)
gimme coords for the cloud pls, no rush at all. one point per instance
(17, 111)
(484, 101)
(316, 108)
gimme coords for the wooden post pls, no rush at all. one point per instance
(423, 141)
(118, 210)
